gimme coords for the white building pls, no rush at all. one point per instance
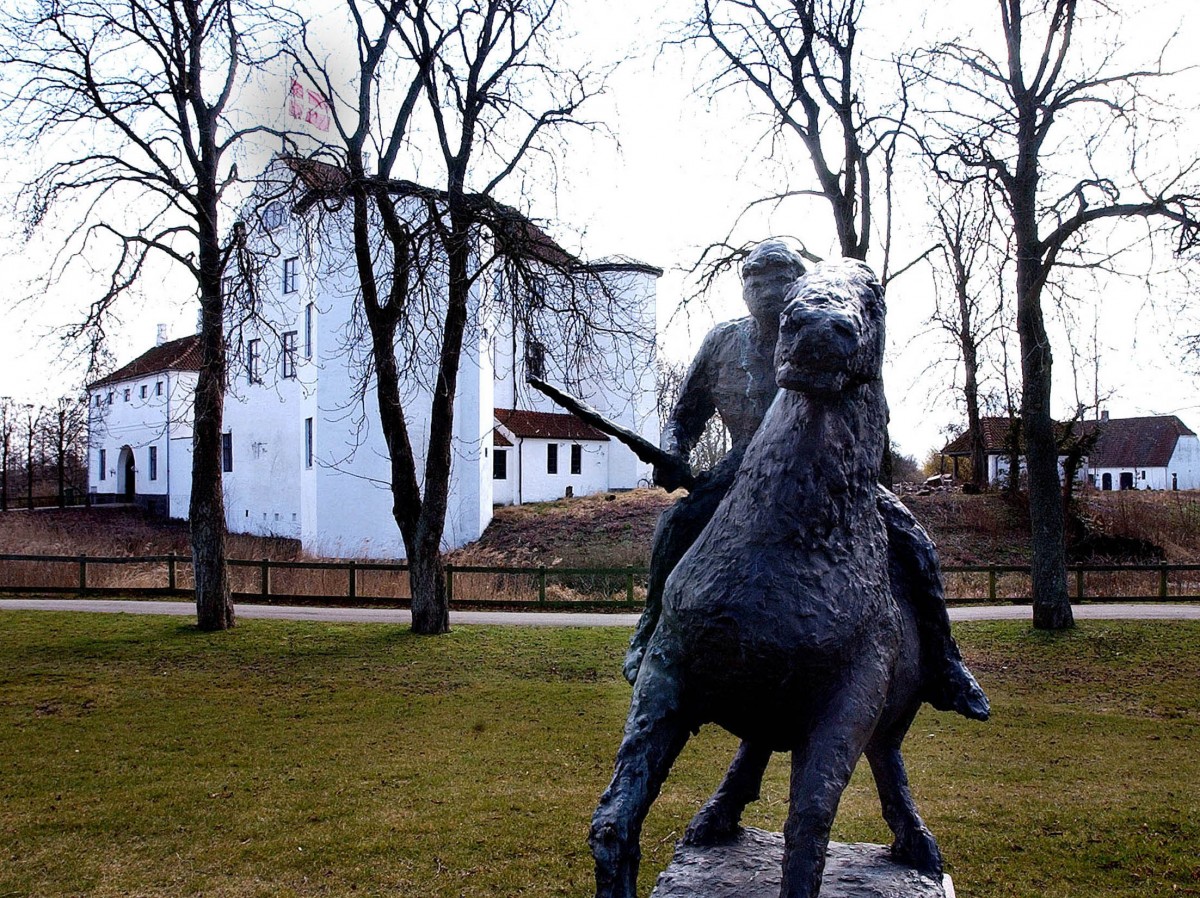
(303, 454)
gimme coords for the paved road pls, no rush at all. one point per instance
(1133, 611)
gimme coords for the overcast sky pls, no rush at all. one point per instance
(672, 179)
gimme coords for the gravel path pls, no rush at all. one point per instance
(1131, 611)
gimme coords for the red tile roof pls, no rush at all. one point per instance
(1136, 442)
(499, 439)
(546, 425)
(1123, 442)
(175, 355)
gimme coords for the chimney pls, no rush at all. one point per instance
(162, 335)
(1103, 415)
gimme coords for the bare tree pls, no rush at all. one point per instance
(32, 425)
(8, 424)
(1011, 121)
(480, 83)
(714, 443)
(966, 308)
(68, 435)
(145, 88)
(798, 58)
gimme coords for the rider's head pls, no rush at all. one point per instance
(768, 272)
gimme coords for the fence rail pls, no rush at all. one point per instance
(383, 583)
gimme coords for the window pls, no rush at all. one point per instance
(273, 216)
(158, 388)
(110, 397)
(288, 354)
(308, 442)
(154, 463)
(576, 459)
(535, 360)
(97, 400)
(308, 330)
(291, 269)
(552, 458)
(127, 391)
(104, 462)
(253, 361)
(227, 287)
(145, 391)
(227, 452)
(500, 464)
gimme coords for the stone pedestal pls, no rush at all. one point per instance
(749, 867)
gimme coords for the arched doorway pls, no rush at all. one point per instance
(1106, 482)
(126, 475)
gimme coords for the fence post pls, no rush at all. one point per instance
(542, 585)
(266, 577)
(171, 571)
(991, 583)
(1162, 582)
(629, 588)
(82, 572)
(352, 590)
(1079, 583)
(449, 583)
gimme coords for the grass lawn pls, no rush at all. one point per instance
(139, 757)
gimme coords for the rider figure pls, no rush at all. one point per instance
(733, 376)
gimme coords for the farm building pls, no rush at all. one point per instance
(1155, 452)
(303, 454)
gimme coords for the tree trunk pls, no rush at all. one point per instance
(214, 604)
(1051, 601)
(427, 575)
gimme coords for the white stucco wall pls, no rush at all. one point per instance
(536, 484)
(1184, 464)
(162, 420)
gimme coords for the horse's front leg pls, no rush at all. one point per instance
(654, 735)
(821, 770)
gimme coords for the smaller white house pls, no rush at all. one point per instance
(140, 428)
(539, 456)
(1155, 452)
(1152, 453)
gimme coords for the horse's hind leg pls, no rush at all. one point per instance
(654, 735)
(718, 820)
(914, 843)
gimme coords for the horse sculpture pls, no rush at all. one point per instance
(780, 623)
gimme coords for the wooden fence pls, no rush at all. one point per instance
(386, 584)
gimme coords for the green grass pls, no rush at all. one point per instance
(139, 757)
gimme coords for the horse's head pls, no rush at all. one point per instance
(831, 331)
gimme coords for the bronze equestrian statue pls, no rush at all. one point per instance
(790, 620)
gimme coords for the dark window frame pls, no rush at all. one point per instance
(499, 464)
(576, 458)
(291, 274)
(552, 458)
(308, 442)
(309, 314)
(227, 452)
(287, 354)
(254, 361)
(153, 462)
(103, 464)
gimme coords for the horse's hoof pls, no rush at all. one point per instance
(918, 849)
(711, 826)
